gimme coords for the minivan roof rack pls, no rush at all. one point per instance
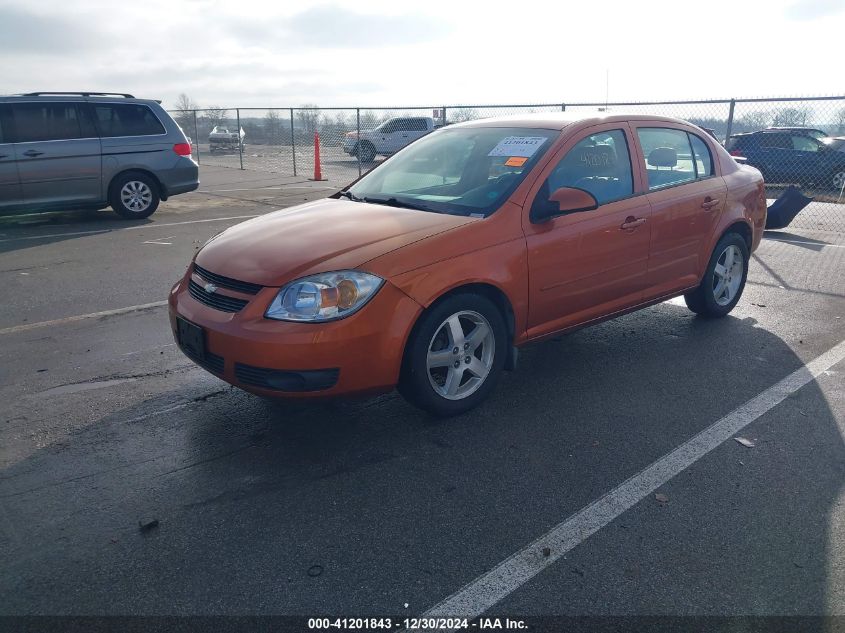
(84, 94)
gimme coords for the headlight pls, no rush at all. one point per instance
(324, 297)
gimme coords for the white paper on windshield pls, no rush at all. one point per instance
(524, 146)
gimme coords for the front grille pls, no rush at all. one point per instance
(227, 282)
(215, 300)
(284, 380)
(212, 362)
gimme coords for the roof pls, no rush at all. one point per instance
(560, 120)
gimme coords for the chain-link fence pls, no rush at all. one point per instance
(793, 141)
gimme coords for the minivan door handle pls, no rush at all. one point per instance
(32, 153)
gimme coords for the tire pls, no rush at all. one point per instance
(134, 195)
(721, 288)
(429, 378)
(367, 152)
(837, 177)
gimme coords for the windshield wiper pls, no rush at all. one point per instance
(393, 202)
(350, 196)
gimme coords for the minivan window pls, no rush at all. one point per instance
(45, 121)
(668, 156)
(126, 119)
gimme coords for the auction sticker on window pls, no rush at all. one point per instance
(524, 146)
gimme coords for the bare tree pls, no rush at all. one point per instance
(215, 115)
(756, 120)
(369, 120)
(273, 127)
(458, 115)
(308, 116)
(185, 109)
(791, 117)
(840, 121)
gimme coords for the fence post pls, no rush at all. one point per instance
(197, 137)
(730, 120)
(292, 142)
(563, 107)
(358, 138)
(444, 116)
(240, 140)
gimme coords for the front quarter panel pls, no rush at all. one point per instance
(489, 251)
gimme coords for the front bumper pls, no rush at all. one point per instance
(361, 354)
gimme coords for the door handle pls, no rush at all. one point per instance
(709, 203)
(3, 155)
(404, 136)
(32, 152)
(631, 223)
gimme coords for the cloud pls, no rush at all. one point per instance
(330, 26)
(22, 31)
(814, 9)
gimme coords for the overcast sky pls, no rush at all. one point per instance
(373, 52)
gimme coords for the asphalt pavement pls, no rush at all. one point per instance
(371, 507)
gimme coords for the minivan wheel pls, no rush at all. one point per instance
(455, 355)
(134, 195)
(724, 279)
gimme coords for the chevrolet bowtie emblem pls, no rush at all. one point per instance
(210, 288)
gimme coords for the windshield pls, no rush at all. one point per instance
(462, 171)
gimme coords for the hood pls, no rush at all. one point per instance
(320, 236)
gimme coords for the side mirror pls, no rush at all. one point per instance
(565, 200)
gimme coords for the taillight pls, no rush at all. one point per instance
(183, 149)
(735, 152)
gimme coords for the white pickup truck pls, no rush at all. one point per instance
(388, 138)
(221, 139)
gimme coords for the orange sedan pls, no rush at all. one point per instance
(430, 271)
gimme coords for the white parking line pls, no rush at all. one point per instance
(80, 317)
(490, 588)
(129, 228)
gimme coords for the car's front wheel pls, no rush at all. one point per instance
(724, 279)
(134, 195)
(455, 355)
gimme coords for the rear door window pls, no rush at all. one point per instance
(668, 156)
(417, 125)
(126, 119)
(775, 141)
(53, 121)
(804, 143)
(703, 159)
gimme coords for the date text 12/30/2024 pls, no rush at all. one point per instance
(416, 624)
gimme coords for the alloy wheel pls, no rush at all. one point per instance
(136, 196)
(727, 276)
(460, 355)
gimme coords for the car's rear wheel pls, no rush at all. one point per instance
(837, 179)
(724, 279)
(455, 355)
(366, 152)
(134, 195)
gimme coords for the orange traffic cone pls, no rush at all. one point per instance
(318, 174)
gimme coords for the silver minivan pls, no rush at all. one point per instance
(62, 151)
